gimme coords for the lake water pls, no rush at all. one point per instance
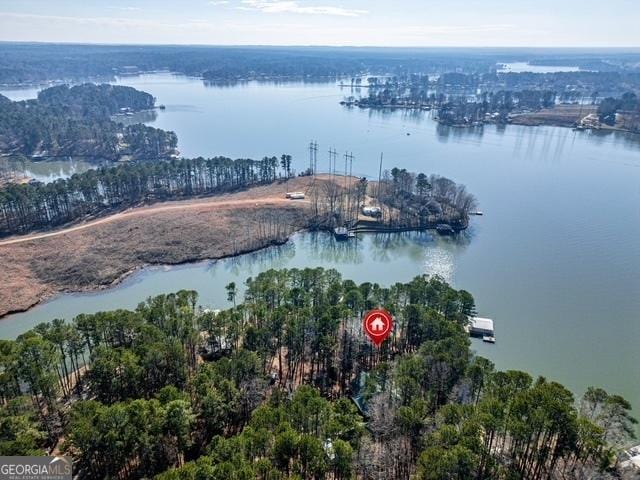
(520, 67)
(555, 260)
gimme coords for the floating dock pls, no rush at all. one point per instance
(482, 328)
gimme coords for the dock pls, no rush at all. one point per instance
(445, 229)
(482, 328)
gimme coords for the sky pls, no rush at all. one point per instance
(480, 23)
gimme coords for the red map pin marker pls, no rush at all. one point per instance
(377, 325)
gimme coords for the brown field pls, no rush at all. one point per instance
(560, 115)
(100, 253)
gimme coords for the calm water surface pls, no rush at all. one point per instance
(520, 67)
(555, 260)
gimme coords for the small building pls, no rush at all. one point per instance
(372, 211)
(295, 195)
(480, 327)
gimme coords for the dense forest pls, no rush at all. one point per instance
(285, 385)
(78, 121)
(31, 62)
(24, 207)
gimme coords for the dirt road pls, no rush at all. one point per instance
(153, 209)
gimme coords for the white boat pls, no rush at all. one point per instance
(489, 339)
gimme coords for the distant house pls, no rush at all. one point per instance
(371, 211)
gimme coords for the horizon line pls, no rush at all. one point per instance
(253, 45)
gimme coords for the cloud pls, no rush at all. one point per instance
(66, 21)
(218, 2)
(292, 6)
(127, 9)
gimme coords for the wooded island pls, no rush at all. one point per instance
(78, 121)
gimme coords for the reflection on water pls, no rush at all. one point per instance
(521, 67)
(445, 132)
(50, 170)
(604, 137)
(385, 259)
(234, 83)
(46, 170)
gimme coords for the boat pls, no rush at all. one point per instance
(479, 213)
(489, 339)
(341, 233)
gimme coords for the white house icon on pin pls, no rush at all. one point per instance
(377, 325)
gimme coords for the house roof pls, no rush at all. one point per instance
(481, 323)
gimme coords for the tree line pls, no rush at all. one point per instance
(285, 385)
(627, 107)
(77, 121)
(29, 63)
(25, 207)
(420, 200)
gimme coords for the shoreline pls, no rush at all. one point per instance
(97, 255)
(118, 282)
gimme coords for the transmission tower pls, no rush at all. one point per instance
(333, 156)
(348, 158)
(313, 157)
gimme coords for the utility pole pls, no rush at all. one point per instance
(313, 157)
(348, 157)
(380, 180)
(380, 173)
(333, 155)
(352, 185)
